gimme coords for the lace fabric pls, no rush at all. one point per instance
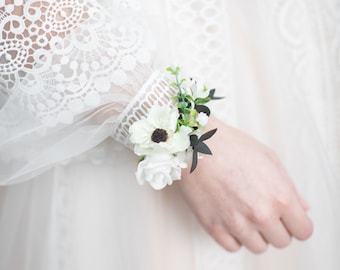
(67, 69)
(64, 57)
(155, 91)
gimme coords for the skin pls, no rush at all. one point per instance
(242, 194)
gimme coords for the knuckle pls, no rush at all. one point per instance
(282, 200)
(214, 228)
(235, 225)
(260, 216)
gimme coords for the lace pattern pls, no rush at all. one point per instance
(155, 91)
(61, 58)
(66, 67)
(207, 51)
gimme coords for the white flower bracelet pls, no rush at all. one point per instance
(169, 138)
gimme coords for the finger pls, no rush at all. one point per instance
(229, 242)
(304, 203)
(294, 218)
(254, 241)
(225, 239)
(276, 234)
(297, 223)
(246, 234)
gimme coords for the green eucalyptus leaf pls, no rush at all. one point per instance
(212, 95)
(194, 161)
(189, 97)
(201, 147)
(193, 113)
(207, 135)
(212, 92)
(192, 123)
(182, 104)
(169, 69)
(202, 100)
(193, 140)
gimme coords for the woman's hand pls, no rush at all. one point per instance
(242, 195)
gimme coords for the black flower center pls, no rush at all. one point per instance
(159, 135)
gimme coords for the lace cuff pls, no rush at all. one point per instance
(156, 90)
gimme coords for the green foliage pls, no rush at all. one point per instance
(212, 95)
(141, 159)
(189, 108)
(199, 146)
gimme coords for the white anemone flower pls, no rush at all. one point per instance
(157, 134)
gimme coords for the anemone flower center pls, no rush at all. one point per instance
(159, 135)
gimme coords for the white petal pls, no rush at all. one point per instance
(174, 115)
(159, 182)
(163, 117)
(180, 141)
(202, 118)
(140, 132)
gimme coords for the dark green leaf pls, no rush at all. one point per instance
(188, 102)
(194, 161)
(212, 94)
(193, 140)
(202, 108)
(201, 147)
(207, 135)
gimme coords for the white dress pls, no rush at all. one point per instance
(71, 70)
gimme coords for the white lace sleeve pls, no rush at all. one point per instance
(71, 75)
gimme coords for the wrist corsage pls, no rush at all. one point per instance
(170, 137)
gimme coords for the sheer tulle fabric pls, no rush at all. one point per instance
(264, 57)
(68, 70)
